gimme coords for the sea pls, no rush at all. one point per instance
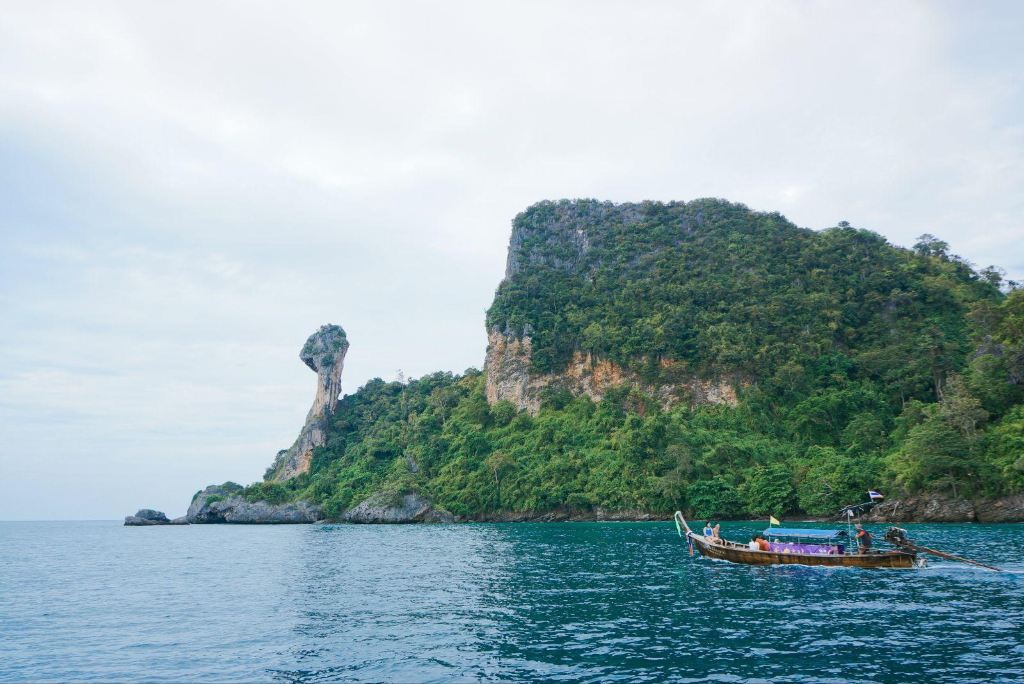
(563, 602)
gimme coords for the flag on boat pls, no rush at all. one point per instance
(772, 520)
(875, 496)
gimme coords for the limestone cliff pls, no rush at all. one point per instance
(939, 508)
(555, 244)
(385, 508)
(225, 504)
(510, 378)
(324, 353)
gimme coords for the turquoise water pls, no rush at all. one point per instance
(566, 602)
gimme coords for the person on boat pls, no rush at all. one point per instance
(708, 531)
(715, 532)
(763, 544)
(753, 545)
(863, 540)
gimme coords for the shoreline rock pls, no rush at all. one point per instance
(225, 504)
(145, 517)
(1006, 509)
(936, 508)
(388, 509)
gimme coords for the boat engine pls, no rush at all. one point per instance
(897, 536)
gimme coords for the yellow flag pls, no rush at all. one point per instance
(773, 521)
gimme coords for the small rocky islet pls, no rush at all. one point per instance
(842, 348)
(145, 517)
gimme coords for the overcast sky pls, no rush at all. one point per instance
(187, 190)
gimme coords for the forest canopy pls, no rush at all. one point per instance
(864, 365)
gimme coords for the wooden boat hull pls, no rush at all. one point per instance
(730, 551)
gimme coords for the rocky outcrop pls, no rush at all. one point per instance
(146, 516)
(934, 508)
(1007, 509)
(324, 352)
(387, 508)
(922, 509)
(560, 234)
(565, 236)
(510, 378)
(225, 504)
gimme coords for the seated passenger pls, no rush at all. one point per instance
(708, 532)
(753, 545)
(763, 543)
(715, 532)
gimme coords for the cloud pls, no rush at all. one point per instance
(189, 190)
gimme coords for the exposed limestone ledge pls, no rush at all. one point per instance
(147, 517)
(935, 508)
(1007, 509)
(324, 352)
(384, 508)
(509, 378)
(224, 504)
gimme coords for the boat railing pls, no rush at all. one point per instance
(785, 548)
(719, 541)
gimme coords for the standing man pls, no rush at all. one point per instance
(863, 540)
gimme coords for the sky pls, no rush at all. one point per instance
(189, 189)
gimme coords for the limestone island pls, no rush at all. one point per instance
(648, 357)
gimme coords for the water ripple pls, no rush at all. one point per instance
(583, 602)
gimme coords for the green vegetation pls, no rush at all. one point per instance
(861, 365)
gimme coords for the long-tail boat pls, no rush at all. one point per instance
(796, 546)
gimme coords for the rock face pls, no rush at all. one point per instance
(410, 508)
(324, 352)
(567, 238)
(1008, 509)
(561, 236)
(509, 378)
(944, 509)
(922, 509)
(224, 504)
(146, 516)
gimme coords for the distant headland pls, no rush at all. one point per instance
(649, 357)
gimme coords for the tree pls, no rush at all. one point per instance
(714, 498)
(929, 245)
(833, 480)
(769, 490)
(865, 434)
(593, 338)
(1004, 449)
(935, 455)
(499, 463)
(993, 275)
(672, 485)
(960, 408)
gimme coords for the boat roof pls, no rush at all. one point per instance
(810, 533)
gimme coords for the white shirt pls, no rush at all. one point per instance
(754, 546)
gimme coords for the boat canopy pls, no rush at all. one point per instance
(806, 533)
